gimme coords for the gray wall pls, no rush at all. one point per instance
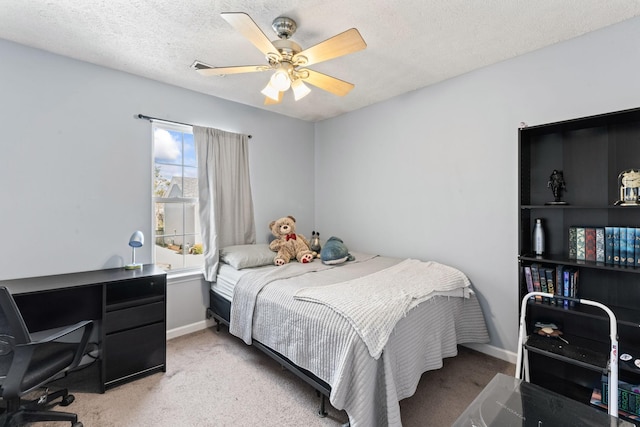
(439, 177)
(431, 174)
(75, 166)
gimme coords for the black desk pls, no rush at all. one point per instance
(127, 306)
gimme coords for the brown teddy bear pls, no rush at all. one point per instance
(287, 243)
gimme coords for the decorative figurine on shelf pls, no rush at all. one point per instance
(629, 182)
(557, 185)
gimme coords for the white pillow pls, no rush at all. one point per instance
(247, 256)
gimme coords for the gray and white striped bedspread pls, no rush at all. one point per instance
(318, 339)
(390, 294)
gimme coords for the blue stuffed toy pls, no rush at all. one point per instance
(335, 251)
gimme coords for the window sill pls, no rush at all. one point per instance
(184, 276)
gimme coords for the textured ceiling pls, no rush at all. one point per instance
(410, 43)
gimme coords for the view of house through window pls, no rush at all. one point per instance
(176, 224)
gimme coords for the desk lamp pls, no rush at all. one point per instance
(136, 241)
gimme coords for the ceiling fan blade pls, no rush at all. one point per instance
(248, 28)
(328, 83)
(269, 101)
(221, 71)
(344, 43)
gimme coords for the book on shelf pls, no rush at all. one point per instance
(528, 278)
(608, 245)
(566, 274)
(580, 244)
(636, 248)
(572, 242)
(616, 245)
(597, 400)
(631, 244)
(535, 275)
(560, 281)
(570, 285)
(590, 244)
(543, 283)
(600, 244)
(549, 274)
(573, 289)
(623, 245)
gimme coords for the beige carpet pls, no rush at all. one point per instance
(214, 379)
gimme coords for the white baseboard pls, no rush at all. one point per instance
(187, 329)
(490, 350)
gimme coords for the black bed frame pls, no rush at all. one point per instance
(220, 310)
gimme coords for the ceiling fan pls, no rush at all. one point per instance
(286, 58)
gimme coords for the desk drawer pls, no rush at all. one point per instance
(132, 317)
(131, 290)
(133, 352)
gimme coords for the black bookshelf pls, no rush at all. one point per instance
(591, 152)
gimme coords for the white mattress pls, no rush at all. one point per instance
(227, 278)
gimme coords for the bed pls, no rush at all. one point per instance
(364, 357)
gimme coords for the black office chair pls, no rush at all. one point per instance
(26, 365)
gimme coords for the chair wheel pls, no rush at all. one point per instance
(78, 424)
(68, 400)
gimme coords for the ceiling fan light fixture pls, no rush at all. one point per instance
(300, 90)
(270, 92)
(280, 79)
(285, 57)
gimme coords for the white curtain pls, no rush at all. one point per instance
(224, 191)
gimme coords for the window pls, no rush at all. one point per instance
(176, 223)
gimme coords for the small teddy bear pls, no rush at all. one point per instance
(287, 243)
